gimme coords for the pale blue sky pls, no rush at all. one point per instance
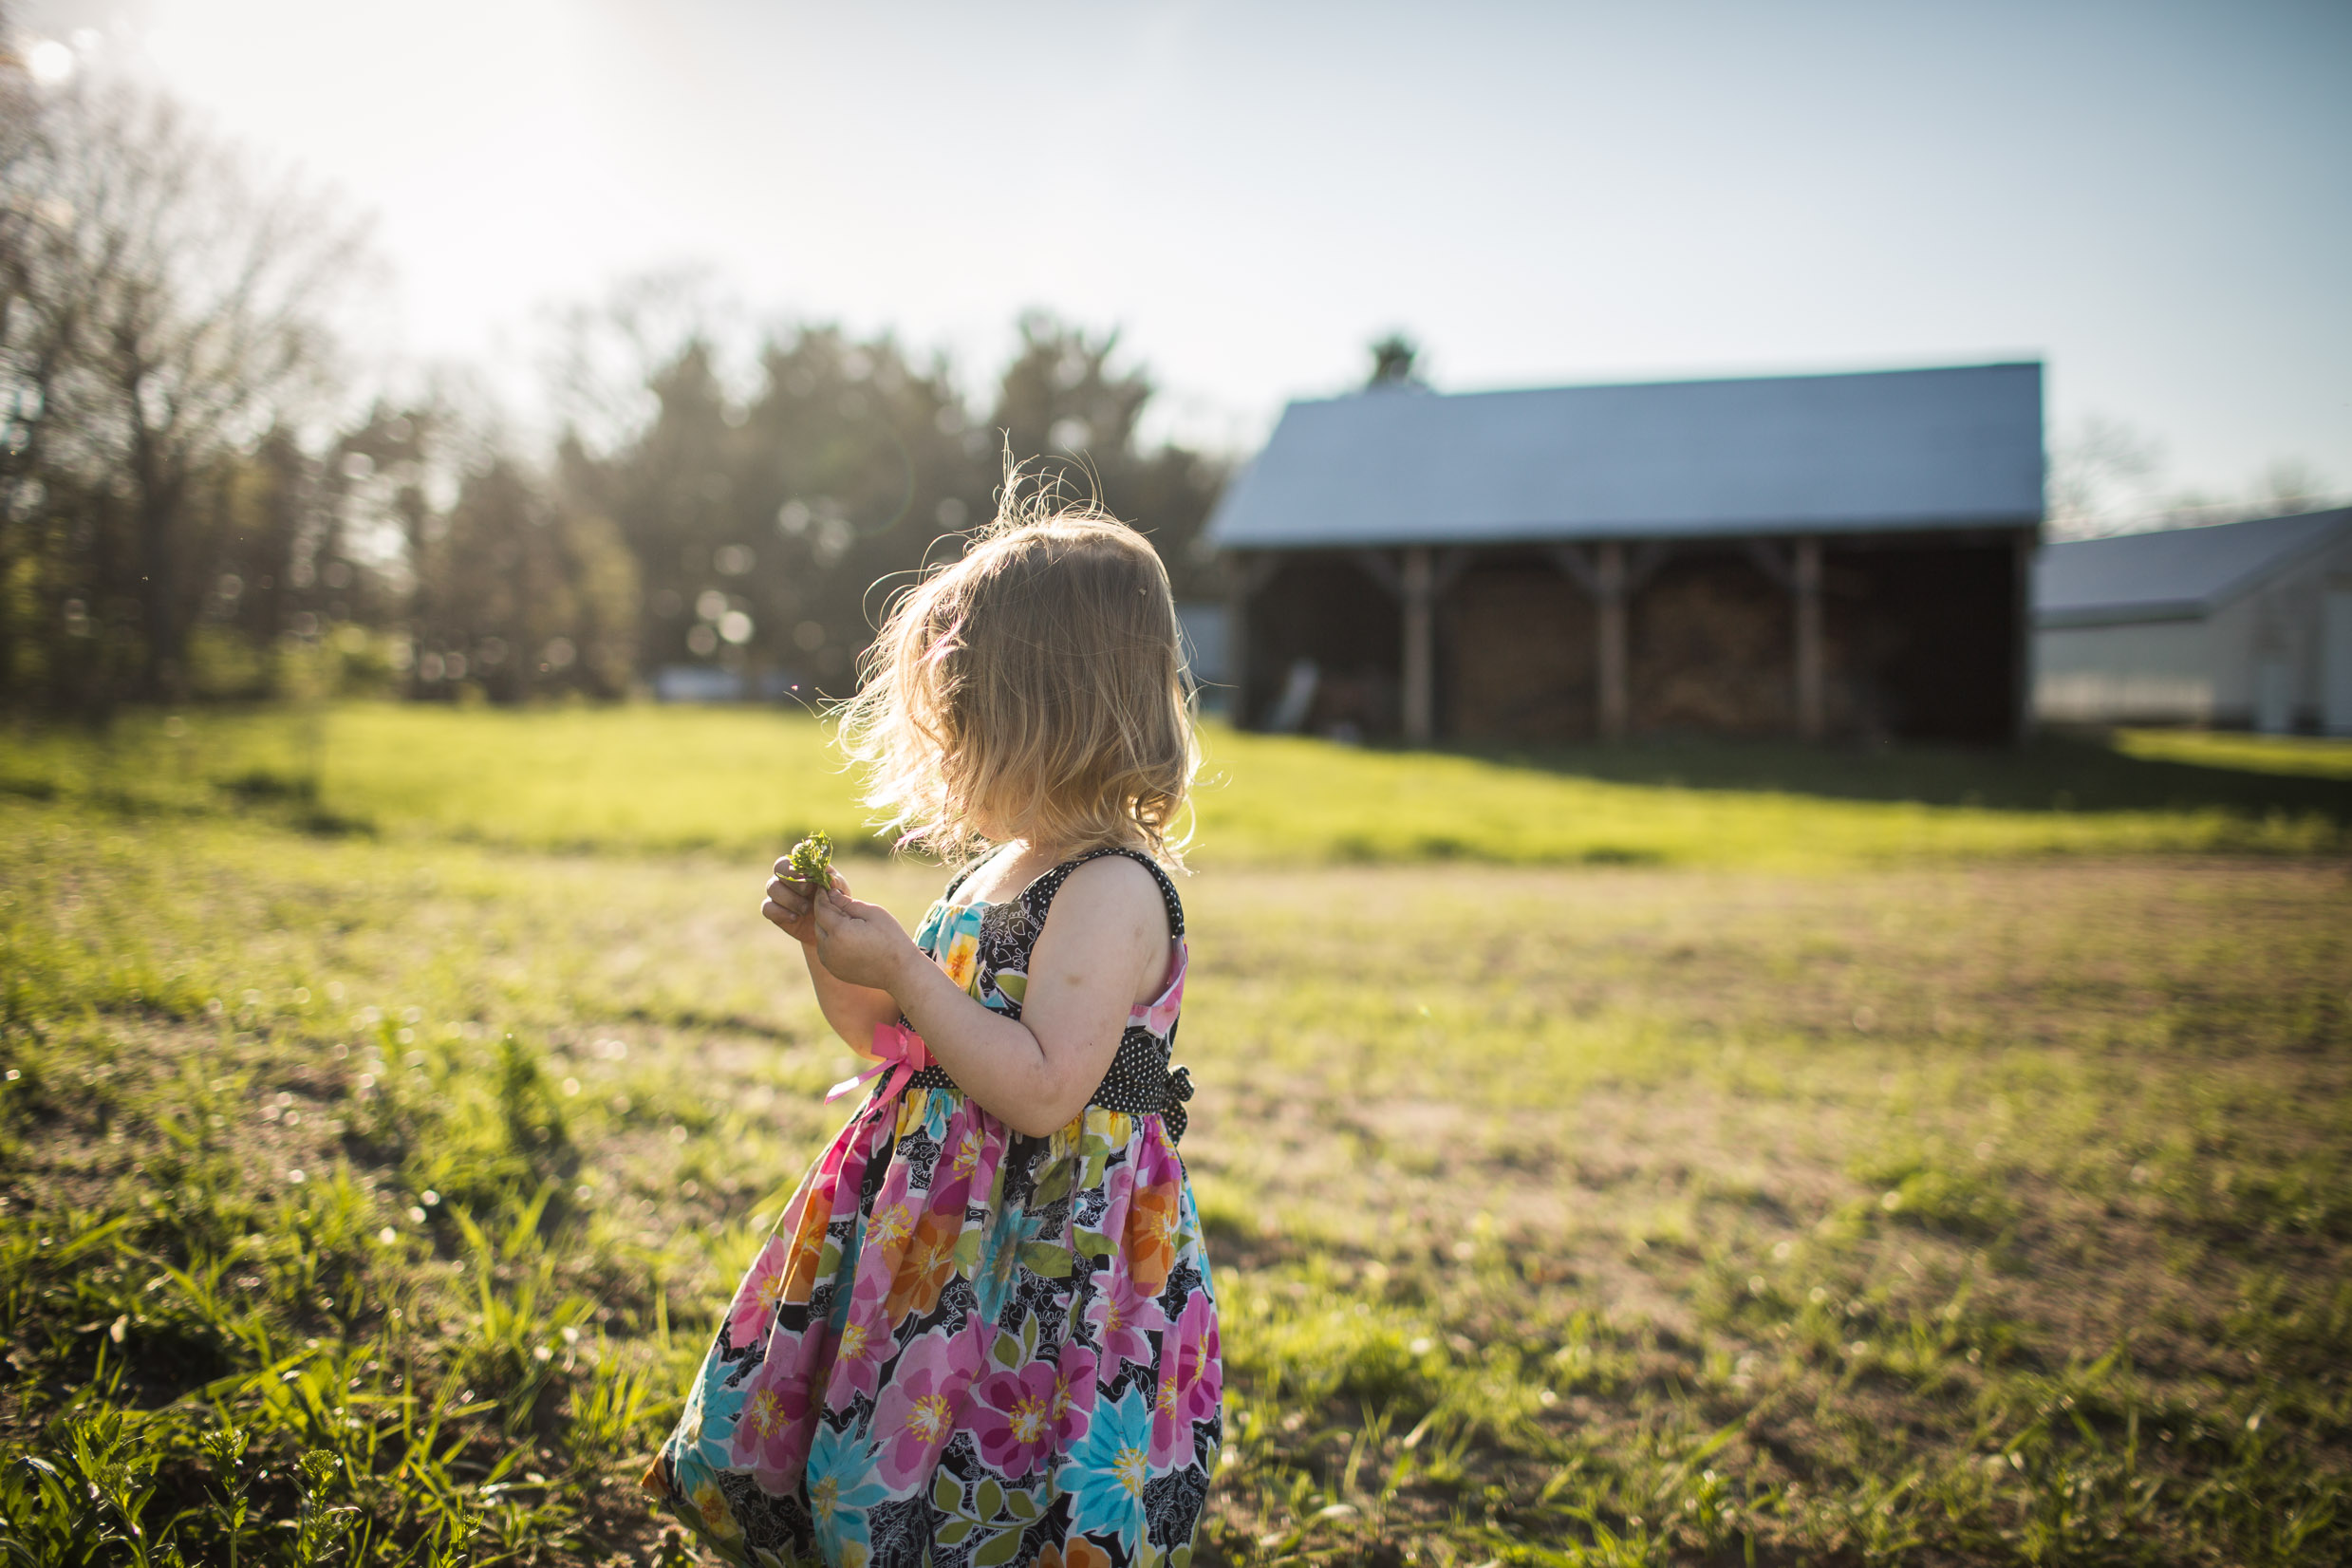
(2155, 198)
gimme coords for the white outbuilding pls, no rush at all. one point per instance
(2237, 625)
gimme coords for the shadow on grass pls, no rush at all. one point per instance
(2049, 774)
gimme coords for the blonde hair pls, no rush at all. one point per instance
(1035, 685)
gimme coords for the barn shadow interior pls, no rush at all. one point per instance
(1710, 682)
(1919, 636)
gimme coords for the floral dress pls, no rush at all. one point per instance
(963, 1345)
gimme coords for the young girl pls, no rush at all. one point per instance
(983, 1333)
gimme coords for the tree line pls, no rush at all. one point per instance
(199, 498)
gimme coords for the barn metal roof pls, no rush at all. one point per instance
(1902, 449)
(2177, 574)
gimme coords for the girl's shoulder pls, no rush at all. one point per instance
(1107, 884)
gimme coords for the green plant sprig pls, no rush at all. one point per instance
(812, 861)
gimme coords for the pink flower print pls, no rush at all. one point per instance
(857, 1359)
(865, 1332)
(923, 1405)
(974, 1152)
(771, 1433)
(962, 1142)
(1191, 1380)
(888, 1231)
(968, 1151)
(893, 1219)
(1160, 1016)
(760, 1293)
(1156, 1164)
(1120, 1316)
(1014, 1419)
(1073, 1392)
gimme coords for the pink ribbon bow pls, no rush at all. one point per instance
(898, 1049)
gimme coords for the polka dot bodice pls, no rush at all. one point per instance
(985, 948)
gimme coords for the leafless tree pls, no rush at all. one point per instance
(2291, 484)
(161, 310)
(2102, 477)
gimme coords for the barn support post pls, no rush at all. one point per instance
(1244, 576)
(1812, 674)
(1615, 663)
(1605, 582)
(2028, 541)
(1419, 583)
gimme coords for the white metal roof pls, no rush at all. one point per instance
(2176, 574)
(1899, 449)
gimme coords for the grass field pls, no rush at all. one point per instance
(1794, 1160)
(660, 779)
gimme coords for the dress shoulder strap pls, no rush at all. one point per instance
(1040, 894)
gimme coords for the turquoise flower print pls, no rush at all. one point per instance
(936, 1109)
(712, 1410)
(842, 1487)
(1193, 1250)
(844, 1278)
(1106, 1471)
(955, 946)
(700, 1448)
(1001, 1259)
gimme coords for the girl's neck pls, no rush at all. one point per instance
(1008, 868)
(1013, 864)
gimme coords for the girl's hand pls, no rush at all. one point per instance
(861, 943)
(791, 905)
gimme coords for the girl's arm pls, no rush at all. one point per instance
(1104, 940)
(853, 1010)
